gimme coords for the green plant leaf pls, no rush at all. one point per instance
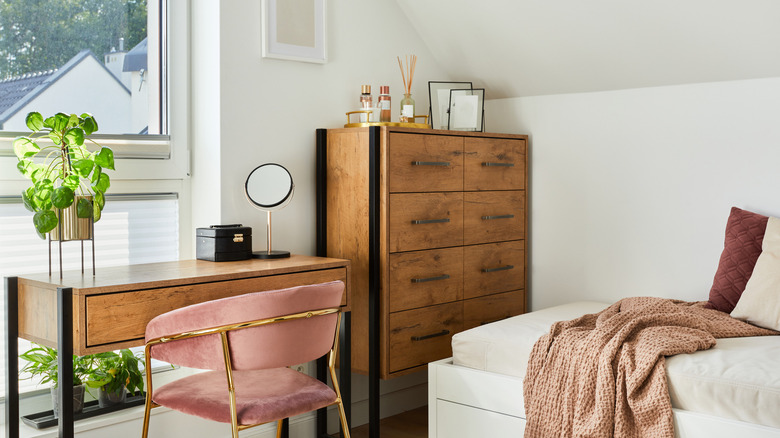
(74, 136)
(24, 147)
(99, 199)
(43, 189)
(45, 221)
(62, 197)
(83, 167)
(84, 208)
(73, 120)
(96, 173)
(89, 124)
(61, 121)
(55, 137)
(34, 121)
(72, 182)
(105, 158)
(28, 200)
(102, 184)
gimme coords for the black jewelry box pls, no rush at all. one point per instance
(224, 243)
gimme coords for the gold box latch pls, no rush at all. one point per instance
(238, 238)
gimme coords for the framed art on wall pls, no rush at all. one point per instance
(439, 98)
(295, 30)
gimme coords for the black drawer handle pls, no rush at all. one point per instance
(500, 216)
(423, 280)
(498, 164)
(432, 335)
(502, 268)
(431, 163)
(430, 221)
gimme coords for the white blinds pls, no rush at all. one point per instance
(133, 229)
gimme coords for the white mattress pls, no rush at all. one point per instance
(739, 378)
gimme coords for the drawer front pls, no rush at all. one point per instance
(493, 268)
(423, 335)
(425, 163)
(493, 216)
(129, 312)
(484, 310)
(425, 220)
(494, 164)
(425, 278)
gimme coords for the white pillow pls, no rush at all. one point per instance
(760, 303)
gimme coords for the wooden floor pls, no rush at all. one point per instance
(410, 424)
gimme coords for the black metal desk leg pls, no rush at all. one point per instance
(65, 360)
(11, 354)
(345, 367)
(321, 371)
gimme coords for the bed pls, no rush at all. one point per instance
(730, 390)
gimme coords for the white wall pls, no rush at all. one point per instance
(630, 190)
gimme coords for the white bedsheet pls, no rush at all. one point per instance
(739, 378)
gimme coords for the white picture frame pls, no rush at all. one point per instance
(295, 30)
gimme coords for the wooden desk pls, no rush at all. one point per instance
(109, 311)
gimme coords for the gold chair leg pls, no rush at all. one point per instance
(147, 410)
(279, 429)
(343, 418)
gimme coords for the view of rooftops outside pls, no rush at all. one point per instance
(79, 56)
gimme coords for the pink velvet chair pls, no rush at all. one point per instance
(247, 343)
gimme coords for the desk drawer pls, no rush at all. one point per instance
(425, 278)
(423, 335)
(128, 313)
(491, 308)
(493, 216)
(493, 268)
(425, 220)
(425, 163)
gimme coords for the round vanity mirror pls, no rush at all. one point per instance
(269, 187)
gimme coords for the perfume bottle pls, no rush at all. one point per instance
(366, 102)
(407, 108)
(384, 103)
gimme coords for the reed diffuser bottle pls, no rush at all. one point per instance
(407, 103)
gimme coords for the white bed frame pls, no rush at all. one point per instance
(468, 403)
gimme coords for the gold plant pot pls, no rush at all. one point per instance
(73, 227)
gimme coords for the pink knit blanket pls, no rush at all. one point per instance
(603, 374)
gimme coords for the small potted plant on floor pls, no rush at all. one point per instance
(42, 361)
(115, 374)
(69, 179)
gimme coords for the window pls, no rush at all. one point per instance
(77, 56)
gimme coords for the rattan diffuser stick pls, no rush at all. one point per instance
(407, 71)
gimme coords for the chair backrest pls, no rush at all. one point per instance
(269, 346)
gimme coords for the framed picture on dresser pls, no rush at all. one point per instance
(439, 98)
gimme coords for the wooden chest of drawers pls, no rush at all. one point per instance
(435, 225)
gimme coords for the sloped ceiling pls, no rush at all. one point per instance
(536, 47)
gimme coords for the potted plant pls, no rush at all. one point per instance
(42, 361)
(68, 177)
(114, 374)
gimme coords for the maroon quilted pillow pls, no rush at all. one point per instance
(744, 234)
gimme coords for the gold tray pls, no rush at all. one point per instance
(396, 124)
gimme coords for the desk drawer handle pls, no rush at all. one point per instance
(423, 280)
(500, 216)
(498, 164)
(431, 163)
(430, 221)
(432, 335)
(502, 268)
